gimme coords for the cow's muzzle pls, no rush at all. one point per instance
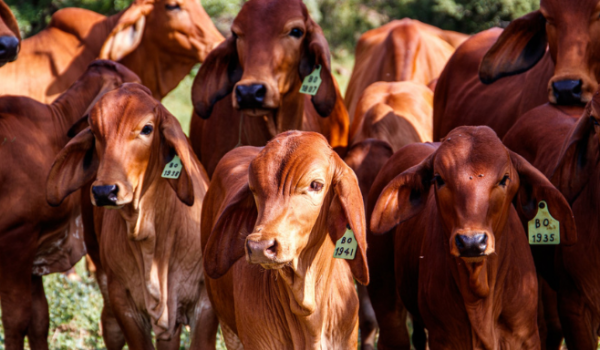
(471, 246)
(263, 252)
(567, 92)
(250, 96)
(105, 195)
(9, 48)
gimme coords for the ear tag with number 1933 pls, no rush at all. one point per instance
(311, 83)
(543, 228)
(173, 169)
(345, 247)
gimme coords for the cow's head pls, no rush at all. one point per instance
(10, 38)
(180, 28)
(297, 190)
(274, 45)
(130, 140)
(572, 31)
(475, 179)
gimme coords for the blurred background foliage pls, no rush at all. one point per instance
(75, 305)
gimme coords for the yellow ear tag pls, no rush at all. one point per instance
(345, 247)
(311, 83)
(543, 228)
(173, 169)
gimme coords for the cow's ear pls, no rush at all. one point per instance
(73, 167)
(216, 78)
(535, 187)
(404, 197)
(521, 45)
(234, 218)
(347, 208)
(174, 143)
(578, 158)
(127, 34)
(316, 53)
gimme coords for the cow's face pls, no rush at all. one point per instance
(274, 45)
(183, 28)
(571, 29)
(10, 38)
(475, 179)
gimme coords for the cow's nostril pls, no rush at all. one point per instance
(567, 92)
(261, 93)
(471, 245)
(272, 249)
(250, 96)
(105, 195)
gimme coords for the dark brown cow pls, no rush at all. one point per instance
(10, 38)
(160, 40)
(563, 144)
(270, 221)
(149, 234)
(35, 238)
(568, 73)
(250, 85)
(462, 262)
(402, 50)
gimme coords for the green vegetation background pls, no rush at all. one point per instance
(75, 305)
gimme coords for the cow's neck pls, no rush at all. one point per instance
(160, 71)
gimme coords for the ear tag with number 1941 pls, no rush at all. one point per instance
(345, 247)
(311, 83)
(543, 228)
(173, 168)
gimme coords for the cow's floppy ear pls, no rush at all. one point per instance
(404, 197)
(316, 52)
(216, 78)
(347, 208)
(176, 143)
(127, 34)
(521, 45)
(577, 159)
(535, 187)
(234, 217)
(79, 126)
(73, 167)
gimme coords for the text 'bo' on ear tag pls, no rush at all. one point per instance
(173, 168)
(311, 83)
(345, 247)
(543, 228)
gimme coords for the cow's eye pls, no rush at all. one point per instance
(171, 7)
(438, 180)
(146, 130)
(504, 181)
(316, 186)
(296, 33)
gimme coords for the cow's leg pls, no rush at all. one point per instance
(576, 318)
(205, 324)
(17, 250)
(113, 336)
(367, 321)
(40, 320)
(549, 301)
(172, 344)
(419, 337)
(135, 328)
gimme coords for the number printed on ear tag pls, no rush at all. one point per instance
(173, 168)
(345, 247)
(543, 228)
(311, 83)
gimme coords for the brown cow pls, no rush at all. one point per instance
(150, 244)
(160, 40)
(250, 85)
(462, 264)
(568, 73)
(563, 144)
(35, 238)
(10, 38)
(269, 226)
(402, 50)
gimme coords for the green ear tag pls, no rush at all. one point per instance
(311, 83)
(543, 228)
(345, 247)
(173, 169)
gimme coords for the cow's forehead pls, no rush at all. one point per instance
(122, 108)
(475, 149)
(263, 15)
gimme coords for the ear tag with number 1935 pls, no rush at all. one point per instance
(311, 83)
(345, 247)
(543, 228)
(173, 168)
